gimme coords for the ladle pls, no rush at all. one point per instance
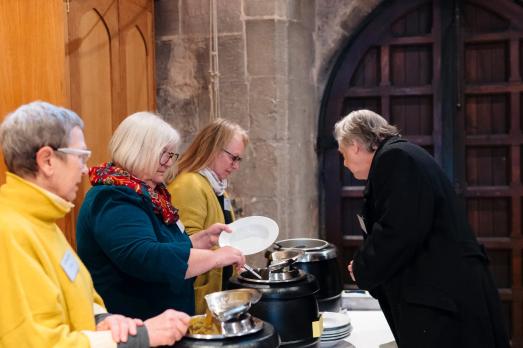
(250, 269)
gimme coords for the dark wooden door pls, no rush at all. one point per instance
(448, 74)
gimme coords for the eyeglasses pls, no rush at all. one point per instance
(166, 157)
(234, 158)
(83, 154)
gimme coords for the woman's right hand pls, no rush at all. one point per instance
(227, 255)
(167, 328)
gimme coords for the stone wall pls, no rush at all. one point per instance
(274, 60)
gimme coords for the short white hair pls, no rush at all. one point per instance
(139, 141)
(31, 127)
(365, 126)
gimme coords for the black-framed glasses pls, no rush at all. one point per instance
(234, 158)
(167, 156)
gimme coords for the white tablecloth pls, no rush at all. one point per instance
(369, 330)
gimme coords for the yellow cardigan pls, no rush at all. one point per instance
(199, 208)
(41, 305)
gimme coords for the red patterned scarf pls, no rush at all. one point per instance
(109, 174)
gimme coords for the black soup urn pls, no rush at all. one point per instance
(320, 259)
(288, 302)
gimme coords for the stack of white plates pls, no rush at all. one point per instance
(336, 327)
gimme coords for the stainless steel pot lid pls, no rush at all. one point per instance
(314, 249)
(305, 244)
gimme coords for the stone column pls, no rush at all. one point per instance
(266, 54)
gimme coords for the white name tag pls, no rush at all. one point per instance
(227, 204)
(180, 225)
(362, 223)
(69, 265)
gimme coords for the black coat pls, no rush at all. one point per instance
(420, 258)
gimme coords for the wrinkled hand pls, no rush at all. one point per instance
(167, 328)
(208, 238)
(121, 327)
(229, 256)
(350, 271)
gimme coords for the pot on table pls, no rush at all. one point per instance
(320, 259)
(288, 300)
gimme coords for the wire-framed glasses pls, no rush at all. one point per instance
(83, 154)
(234, 158)
(167, 156)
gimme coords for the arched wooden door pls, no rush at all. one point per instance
(449, 74)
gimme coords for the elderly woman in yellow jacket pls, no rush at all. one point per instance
(47, 296)
(199, 190)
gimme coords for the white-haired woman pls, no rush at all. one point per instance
(130, 236)
(47, 296)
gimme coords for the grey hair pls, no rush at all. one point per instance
(138, 142)
(366, 126)
(31, 127)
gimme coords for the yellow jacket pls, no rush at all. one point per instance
(40, 305)
(199, 208)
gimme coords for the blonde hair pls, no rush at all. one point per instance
(208, 143)
(139, 141)
(366, 126)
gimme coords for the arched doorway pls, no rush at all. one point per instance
(449, 74)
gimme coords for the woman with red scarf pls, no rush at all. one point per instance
(130, 236)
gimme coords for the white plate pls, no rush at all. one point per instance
(250, 235)
(333, 320)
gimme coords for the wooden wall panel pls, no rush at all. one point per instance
(33, 55)
(136, 71)
(137, 55)
(93, 81)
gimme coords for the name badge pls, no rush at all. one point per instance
(180, 225)
(69, 265)
(227, 204)
(362, 223)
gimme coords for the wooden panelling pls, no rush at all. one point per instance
(486, 62)
(489, 217)
(417, 22)
(479, 19)
(32, 55)
(136, 71)
(412, 114)
(487, 114)
(487, 166)
(68, 53)
(411, 65)
(371, 103)
(368, 72)
(137, 55)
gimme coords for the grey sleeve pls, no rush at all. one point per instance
(140, 340)
(99, 317)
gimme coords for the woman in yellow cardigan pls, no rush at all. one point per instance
(199, 190)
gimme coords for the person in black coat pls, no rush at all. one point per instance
(419, 257)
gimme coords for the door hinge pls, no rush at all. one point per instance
(67, 5)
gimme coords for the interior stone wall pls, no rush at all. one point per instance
(275, 57)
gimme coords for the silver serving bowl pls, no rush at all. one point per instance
(245, 325)
(231, 304)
